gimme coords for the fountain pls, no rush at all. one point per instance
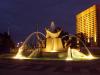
(51, 46)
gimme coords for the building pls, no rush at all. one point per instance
(88, 23)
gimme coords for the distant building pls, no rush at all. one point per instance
(88, 23)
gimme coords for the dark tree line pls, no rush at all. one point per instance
(72, 40)
(6, 42)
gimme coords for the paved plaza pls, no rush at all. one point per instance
(54, 67)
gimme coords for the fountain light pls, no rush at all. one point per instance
(53, 51)
(19, 54)
(74, 54)
(54, 47)
(90, 57)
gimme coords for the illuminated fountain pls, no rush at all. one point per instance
(51, 46)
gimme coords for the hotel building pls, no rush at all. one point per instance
(88, 23)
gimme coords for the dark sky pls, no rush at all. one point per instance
(22, 16)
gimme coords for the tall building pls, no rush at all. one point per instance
(88, 23)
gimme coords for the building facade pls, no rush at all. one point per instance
(88, 23)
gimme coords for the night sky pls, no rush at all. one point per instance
(22, 16)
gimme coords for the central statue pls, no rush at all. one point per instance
(53, 41)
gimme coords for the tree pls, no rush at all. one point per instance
(82, 39)
(73, 42)
(6, 42)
